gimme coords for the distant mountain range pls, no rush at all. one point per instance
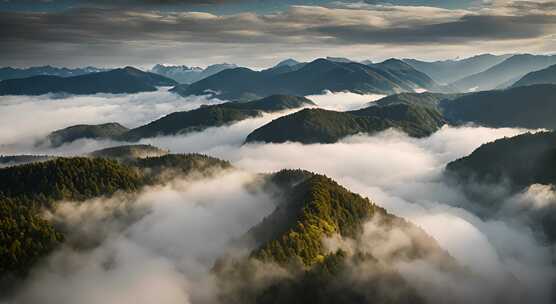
(391, 76)
(69, 134)
(448, 71)
(14, 73)
(545, 76)
(505, 73)
(125, 80)
(185, 74)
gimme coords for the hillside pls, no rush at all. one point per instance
(67, 135)
(26, 190)
(425, 99)
(545, 76)
(129, 152)
(15, 73)
(448, 71)
(505, 73)
(313, 208)
(125, 80)
(510, 166)
(527, 107)
(21, 159)
(214, 116)
(323, 126)
(312, 78)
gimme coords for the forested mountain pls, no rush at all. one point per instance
(425, 99)
(505, 73)
(312, 78)
(184, 74)
(25, 190)
(129, 152)
(14, 160)
(448, 71)
(313, 208)
(67, 135)
(214, 116)
(14, 73)
(497, 171)
(125, 80)
(545, 76)
(323, 126)
(527, 107)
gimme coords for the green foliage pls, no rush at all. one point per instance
(323, 126)
(319, 207)
(24, 236)
(214, 116)
(69, 134)
(67, 178)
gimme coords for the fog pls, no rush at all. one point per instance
(162, 256)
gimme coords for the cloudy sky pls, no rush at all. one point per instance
(259, 33)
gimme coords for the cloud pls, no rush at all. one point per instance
(144, 33)
(167, 234)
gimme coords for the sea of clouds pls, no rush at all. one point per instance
(163, 256)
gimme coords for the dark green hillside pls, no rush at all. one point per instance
(314, 207)
(14, 160)
(73, 133)
(214, 116)
(323, 126)
(126, 80)
(67, 178)
(527, 107)
(129, 152)
(419, 99)
(521, 160)
(26, 190)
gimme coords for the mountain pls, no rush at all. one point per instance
(287, 62)
(214, 116)
(126, 80)
(26, 191)
(312, 78)
(448, 71)
(313, 208)
(496, 172)
(526, 107)
(505, 73)
(184, 74)
(129, 152)
(425, 99)
(322, 126)
(67, 135)
(15, 160)
(545, 76)
(15, 73)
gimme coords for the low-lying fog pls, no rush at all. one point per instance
(159, 258)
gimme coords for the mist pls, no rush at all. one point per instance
(166, 250)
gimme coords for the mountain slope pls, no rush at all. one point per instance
(313, 208)
(129, 152)
(448, 71)
(184, 74)
(545, 76)
(526, 107)
(311, 78)
(323, 126)
(214, 116)
(505, 73)
(15, 73)
(126, 80)
(67, 135)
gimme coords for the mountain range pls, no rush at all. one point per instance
(505, 73)
(388, 77)
(125, 80)
(448, 71)
(545, 76)
(185, 74)
(15, 73)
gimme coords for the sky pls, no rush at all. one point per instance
(260, 33)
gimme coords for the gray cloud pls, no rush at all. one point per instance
(145, 34)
